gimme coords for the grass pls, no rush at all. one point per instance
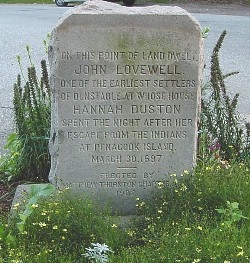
(27, 155)
(203, 217)
(181, 225)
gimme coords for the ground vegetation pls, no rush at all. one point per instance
(202, 217)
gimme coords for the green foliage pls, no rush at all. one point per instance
(182, 225)
(46, 43)
(36, 192)
(205, 32)
(9, 162)
(98, 253)
(32, 118)
(6, 237)
(219, 120)
(232, 213)
(60, 225)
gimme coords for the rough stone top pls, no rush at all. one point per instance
(100, 7)
(126, 93)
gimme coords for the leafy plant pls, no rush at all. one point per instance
(9, 162)
(232, 213)
(32, 118)
(205, 32)
(65, 224)
(179, 225)
(36, 191)
(98, 253)
(219, 119)
(6, 237)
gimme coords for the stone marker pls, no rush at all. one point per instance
(126, 90)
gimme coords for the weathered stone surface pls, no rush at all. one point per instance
(21, 198)
(126, 91)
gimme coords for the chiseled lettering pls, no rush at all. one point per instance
(159, 109)
(174, 83)
(117, 184)
(181, 96)
(85, 55)
(97, 109)
(139, 134)
(101, 122)
(146, 184)
(116, 135)
(84, 147)
(96, 95)
(83, 135)
(157, 122)
(183, 122)
(115, 175)
(81, 185)
(151, 146)
(75, 122)
(178, 56)
(163, 95)
(106, 158)
(110, 55)
(148, 70)
(129, 83)
(66, 55)
(153, 55)
(126, 193)
(91, 69)
(126, 122)
(88, 184)
(133, 146)
(100, 83)
(143, 95)
(168, 134)
(74, 83)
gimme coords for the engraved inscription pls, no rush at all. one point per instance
(116, 126)
(124, 101)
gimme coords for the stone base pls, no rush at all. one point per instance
(21, 198)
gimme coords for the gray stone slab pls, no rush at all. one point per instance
(20, 199)
(28, 194)
(126, 93)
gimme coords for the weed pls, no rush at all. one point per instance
(32, 118)
(9, 162)
(64, 224)
(180, 225)
(36, 191)
(232, 213)
(219, 120)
